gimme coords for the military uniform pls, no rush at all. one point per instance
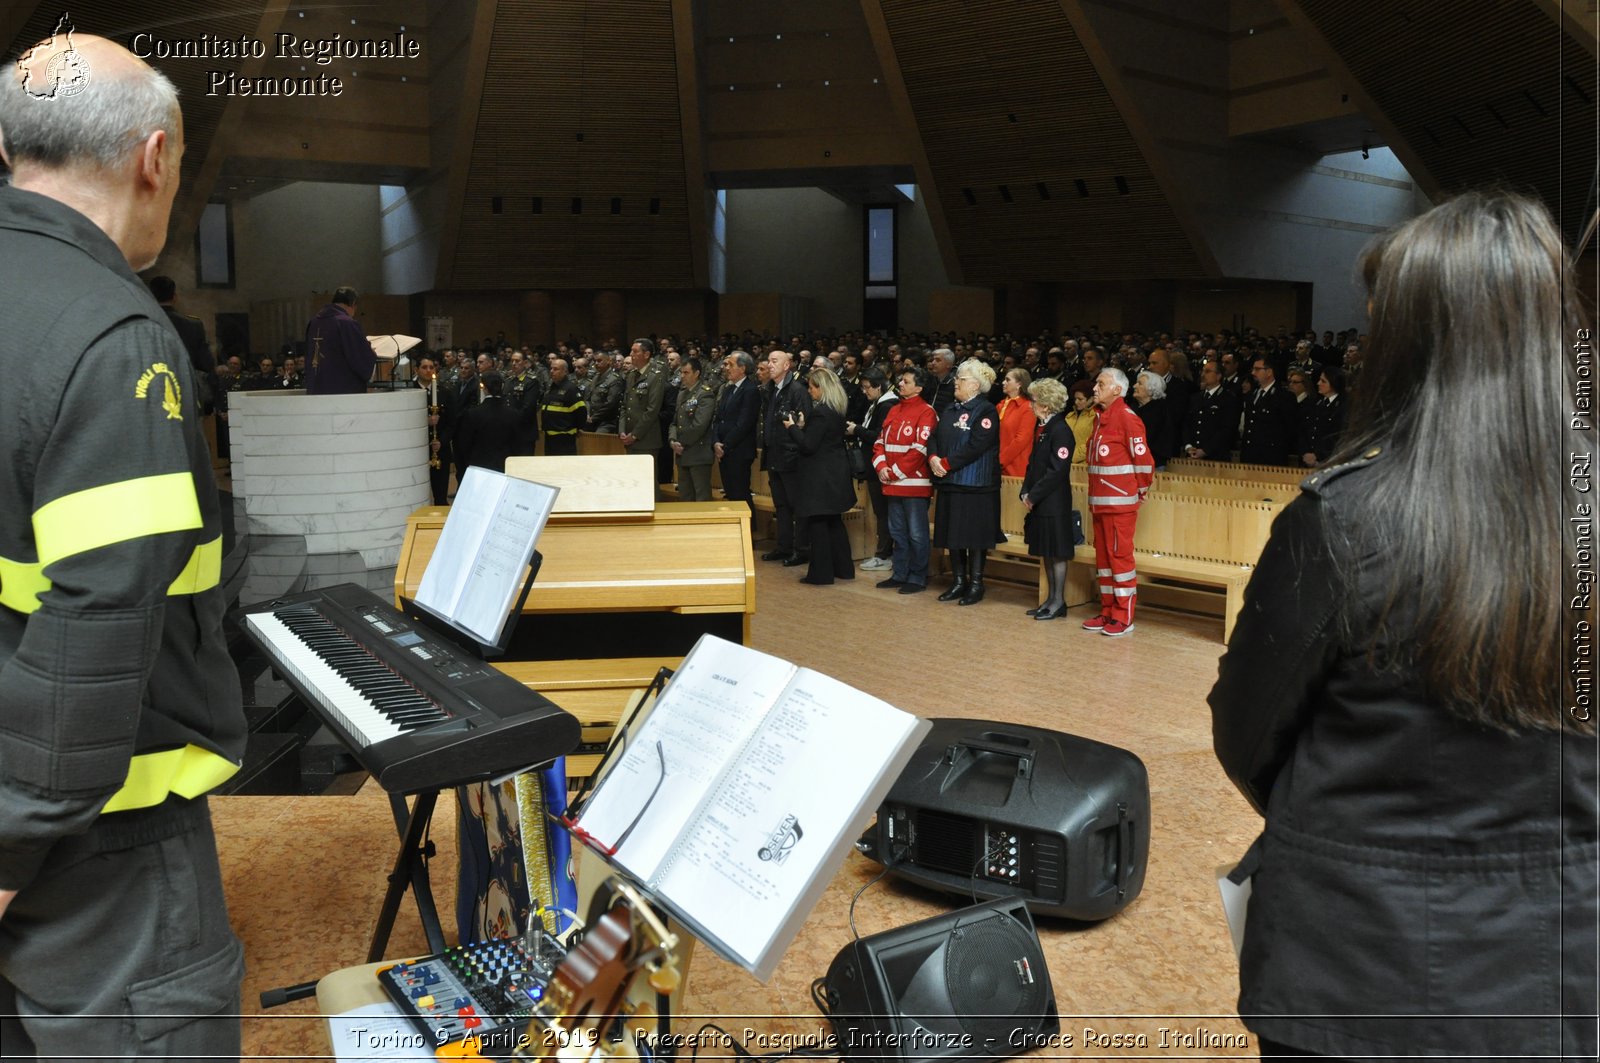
(605, 400)
(523, 394)
(643, 395)
(122, 707)
(691, 427)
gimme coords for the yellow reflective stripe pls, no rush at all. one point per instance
(114, 513)
(560, 431)
(187, 772)
(21, 583)
(563, 409)
(203, 571)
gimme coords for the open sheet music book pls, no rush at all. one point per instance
(740, 794)
(477, 569)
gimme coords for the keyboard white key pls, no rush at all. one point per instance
(343, 702)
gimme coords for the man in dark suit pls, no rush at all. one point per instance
(193, 334)
(1179, 390)
(733, 430)
(489, 432)
(1213, 418)
(1269, 419)
(780, 459)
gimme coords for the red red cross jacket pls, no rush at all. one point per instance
(902, 448)
(1120, 464)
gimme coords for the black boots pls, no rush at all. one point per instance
(958, 567)
(974, 595)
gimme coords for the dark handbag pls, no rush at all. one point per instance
(1077, 528)
(860, 467)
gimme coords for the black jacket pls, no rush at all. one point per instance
(1321, 426)
(112, 651)
(1271, 422)
(488, 434)
(1413, 865)
(1047, 482)
(192, 331)
(779, 453)
(821, 482)
(1212, 424)
(735, 423)
(1157, 418)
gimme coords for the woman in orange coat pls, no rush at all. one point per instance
(1017, 424)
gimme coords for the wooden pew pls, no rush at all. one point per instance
(1238, 471)
(1187, 540)
(1182, 542)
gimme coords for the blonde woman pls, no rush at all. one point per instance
(965, 460)
(823, 489)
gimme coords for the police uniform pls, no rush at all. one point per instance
(1271, 421)
(691, 427)
(122, 708)
(1212, 423)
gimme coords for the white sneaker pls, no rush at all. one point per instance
(875, 563)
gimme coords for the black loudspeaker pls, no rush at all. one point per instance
(988, 809)
(971, 984)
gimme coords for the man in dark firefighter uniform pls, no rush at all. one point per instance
(564, 411)
(120, 707)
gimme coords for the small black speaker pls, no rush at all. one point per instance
(970, 984)
(987, 809)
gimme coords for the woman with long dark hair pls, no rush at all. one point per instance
(1323, 424)
(1396, 698)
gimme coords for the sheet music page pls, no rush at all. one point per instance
(480, 561)
(712, 706)
(446, 575)
(777, 820)
(498, 571)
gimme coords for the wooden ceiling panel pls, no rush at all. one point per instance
(579, 100)
(1482, 92)
(1006, 100)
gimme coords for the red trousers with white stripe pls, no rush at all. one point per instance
(1113, 562)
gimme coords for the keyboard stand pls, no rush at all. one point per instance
(410, 871)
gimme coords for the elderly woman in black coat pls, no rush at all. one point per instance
(1150, 403)
(1047, 494)
(964, 458)
(823, 488)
